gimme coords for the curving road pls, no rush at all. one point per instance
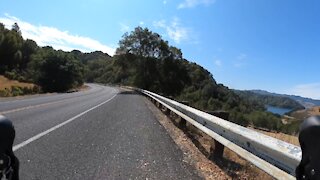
(99, 133)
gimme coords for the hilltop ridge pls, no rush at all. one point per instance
(268, 99)
(306, 102)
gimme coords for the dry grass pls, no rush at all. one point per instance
(284, 137)
(303, 114)
(6, 83)
(232, 164)
(315, 111)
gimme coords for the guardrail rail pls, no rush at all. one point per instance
(277, 158)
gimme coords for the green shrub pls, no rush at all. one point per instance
(238, 118)
(21, 78)
(10, 75)
(26, 90)
(291, 128)
(264, 120)
(36, 89)
(4, 93)
(16, 91)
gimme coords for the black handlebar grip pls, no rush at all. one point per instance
(309, 138)
(7, 135)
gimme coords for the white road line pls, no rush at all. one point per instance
(38, 136)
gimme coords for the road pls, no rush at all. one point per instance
(99, 133)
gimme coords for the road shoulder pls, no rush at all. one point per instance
(191, 154)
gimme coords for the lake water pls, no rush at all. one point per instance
(277, 110)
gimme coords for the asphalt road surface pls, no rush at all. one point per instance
(99, 133)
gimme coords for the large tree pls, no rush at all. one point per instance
(29, 47)
(10, 48)
(58, 71)
(155, 65)
(145, 43)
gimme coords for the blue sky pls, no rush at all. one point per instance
(272, 45)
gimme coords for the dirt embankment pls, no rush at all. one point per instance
(6, 83)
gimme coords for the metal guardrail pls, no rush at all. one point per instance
(275, 157)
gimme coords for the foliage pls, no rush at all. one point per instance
(264, 120)
(144, 60)
(19, 91)
(23, 60)
(58, 72)
(291, 128)
(145, 43)
(4, 93)
(11, 43)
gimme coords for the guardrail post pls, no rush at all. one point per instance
(182, 123)
(167, 111)
(217, 151)
(184, 102)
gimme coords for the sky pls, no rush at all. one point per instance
(272, 45)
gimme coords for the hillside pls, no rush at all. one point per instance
(306, 102)
(270, 99)
(162, 69)
(144, 60)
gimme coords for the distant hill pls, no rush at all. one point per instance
(306, 102)
(265, 98)
(86, 57)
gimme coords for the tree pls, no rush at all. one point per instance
(10, 49)
(29, 47)
(2, 33)
(16, 28)
(145, 43)
(174, 76)
(59, 72)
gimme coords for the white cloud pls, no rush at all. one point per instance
(124, 28)
(311, 90)
(240, 60)
(218, 62)
(174, 30)
(161, 23)
(141, 23)
(194, 3)
(51, 36)
(241, 56)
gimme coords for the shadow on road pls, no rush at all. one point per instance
(128, 92)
